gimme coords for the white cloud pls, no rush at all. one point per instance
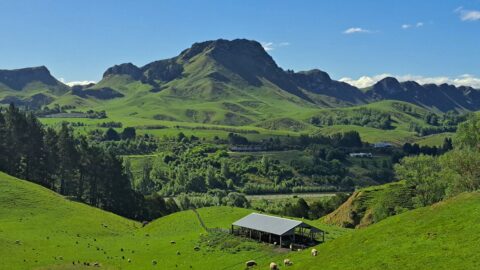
(267, 46)
(354, 30)
(366, 81)
(468, 15)
(270, 46)
(417, 25)
(76, 82)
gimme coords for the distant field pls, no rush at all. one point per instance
(268, 121)
(434, 140)
(291, 195)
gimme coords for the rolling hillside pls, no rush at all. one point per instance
(442, 236)
(42, 230)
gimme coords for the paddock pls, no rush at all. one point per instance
(282, 231)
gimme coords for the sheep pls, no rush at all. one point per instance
(251, 263)
(129, 260)
(287, 262)
(314, 252)
(173, 242)
(273, 266)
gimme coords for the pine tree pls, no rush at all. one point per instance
(67, 154)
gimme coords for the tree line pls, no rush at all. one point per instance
(74, 167)
(434, 178)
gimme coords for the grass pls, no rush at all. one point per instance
(366, 205)
(42, 230)
(443, 236)
(267, 121)
(434, 140)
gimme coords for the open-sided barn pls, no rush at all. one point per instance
(271, 229)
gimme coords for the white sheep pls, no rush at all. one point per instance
(314, 252)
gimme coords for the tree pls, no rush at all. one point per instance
(129, 133)
(146, 184)
(111, 135)
(468, 134)
(236, 199)
(423, 174)
(34, 151)
(461, 170)
(51, 157)
(67, 157)
(447, 145)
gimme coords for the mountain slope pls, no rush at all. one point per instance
(441, 98)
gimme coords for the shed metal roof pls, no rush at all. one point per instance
(269, 224)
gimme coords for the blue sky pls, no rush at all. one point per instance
(79, 40)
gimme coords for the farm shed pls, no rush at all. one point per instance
(286, 232)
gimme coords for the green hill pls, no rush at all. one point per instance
(443, 236)
(42, 230)
(369, 205)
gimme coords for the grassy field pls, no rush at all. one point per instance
(434, 140)
(443, 236)
(42, 230)
(215, 118)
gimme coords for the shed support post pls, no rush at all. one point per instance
(280, 241)
(269, 238)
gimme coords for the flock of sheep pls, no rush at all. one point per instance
(274, 266)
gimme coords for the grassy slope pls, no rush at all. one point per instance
(362, 207)
(48, 228)
(266, 120)
(443, 236)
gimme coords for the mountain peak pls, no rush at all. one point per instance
(388, 85)
(124, 69)
(232, 46)
(17, 79)
(318, 74)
